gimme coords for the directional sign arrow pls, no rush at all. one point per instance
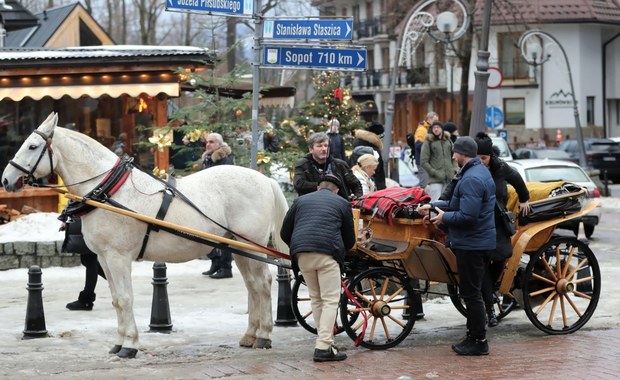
(314, 57)
(279, 29)
(241, 8)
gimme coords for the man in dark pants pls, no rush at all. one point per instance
(217, 152)
(74, 243)
(470, 218)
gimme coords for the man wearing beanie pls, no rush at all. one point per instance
(469, 218)
(436, 160)
(502, 174)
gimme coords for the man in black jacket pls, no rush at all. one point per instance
(318, 228)
(318, 163)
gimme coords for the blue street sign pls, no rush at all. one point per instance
(314, 57)
(494, 117)
(308, 29)
(242, 8)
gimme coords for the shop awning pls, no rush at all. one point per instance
(94, 91)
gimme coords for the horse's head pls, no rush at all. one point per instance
(34, 159)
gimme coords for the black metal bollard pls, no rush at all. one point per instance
(160, 309)
(35, 316)
(284, 313)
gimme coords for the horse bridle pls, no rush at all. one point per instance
(30, 179)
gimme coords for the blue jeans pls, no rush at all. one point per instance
(471, 266)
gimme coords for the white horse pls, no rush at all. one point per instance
(239, 199)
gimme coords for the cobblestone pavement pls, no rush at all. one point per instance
(209, 317)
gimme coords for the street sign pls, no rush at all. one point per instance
(503, 133)
(241, 8)
(308, 29)
(314, 57)
(494, 117)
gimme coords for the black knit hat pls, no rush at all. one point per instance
(376, 128)
(466, 146)
(437, 123)
(449, 127)
(485, 144)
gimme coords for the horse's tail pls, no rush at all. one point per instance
(281, 207)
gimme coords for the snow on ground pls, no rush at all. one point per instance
(40, 226)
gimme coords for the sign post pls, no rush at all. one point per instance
(278, 30)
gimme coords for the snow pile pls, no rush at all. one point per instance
(40, 226)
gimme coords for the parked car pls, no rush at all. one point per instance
(504, 149)
(602, 154)
(553, 154)
(407, 173)
(537, 170)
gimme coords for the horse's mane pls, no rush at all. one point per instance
(83, 149)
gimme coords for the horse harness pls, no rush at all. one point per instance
(48, 148)
(115, 178)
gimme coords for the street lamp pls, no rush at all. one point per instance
(448, 28)
(537, 49)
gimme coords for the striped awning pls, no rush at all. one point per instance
(94, 91)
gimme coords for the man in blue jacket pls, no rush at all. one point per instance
(469, 218)
(318, 228)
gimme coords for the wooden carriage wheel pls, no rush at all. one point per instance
(303, 310)
(561, 286)
(378, 315)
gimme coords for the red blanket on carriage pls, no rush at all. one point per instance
(387, 203)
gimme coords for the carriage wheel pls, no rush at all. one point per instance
(503, 304)
(561, 286)
(379, 309)
(303, 310)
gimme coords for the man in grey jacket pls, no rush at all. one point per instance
(318, 228)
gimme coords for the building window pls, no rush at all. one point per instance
(510, 62)
(514, 111)
(590, 110)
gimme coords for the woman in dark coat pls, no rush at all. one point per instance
(371, 137)
(502, 175)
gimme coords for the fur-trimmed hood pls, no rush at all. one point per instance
(431, 136)
(369, 137)
(221, 152)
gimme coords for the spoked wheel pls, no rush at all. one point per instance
(561, 286)
(503, 304)
(303, 310)
(382, 298)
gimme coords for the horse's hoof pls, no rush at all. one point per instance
(247, 341)
(262, 343)
(127, 353)
(114, 350)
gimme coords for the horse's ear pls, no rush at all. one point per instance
(48, 125)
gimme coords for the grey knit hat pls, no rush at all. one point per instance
(466, 146)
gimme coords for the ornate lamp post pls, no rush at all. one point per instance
(445, 27)
(537, 49)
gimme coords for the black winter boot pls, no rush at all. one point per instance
(84, 302)
(222, 273)
(215, 266)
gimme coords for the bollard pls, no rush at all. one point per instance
(35, 316)
(284, 313)
(160, 309)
